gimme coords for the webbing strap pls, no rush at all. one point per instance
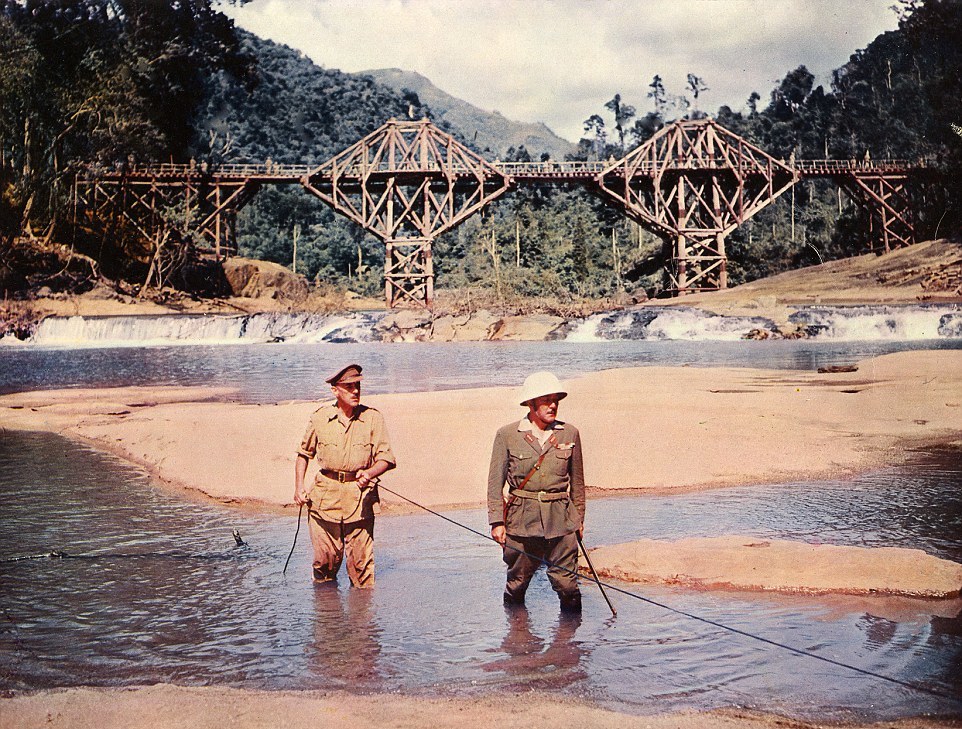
(549, 444)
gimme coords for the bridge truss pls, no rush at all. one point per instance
(408, 182)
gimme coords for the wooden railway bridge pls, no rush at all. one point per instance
(408, 182)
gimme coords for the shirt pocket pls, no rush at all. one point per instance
(560, 461)
(520, 461)
(359, 455)
(329, 453)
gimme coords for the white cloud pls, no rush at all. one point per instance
(559, 61)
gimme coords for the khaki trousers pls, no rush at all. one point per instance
(562, 552)
(332, 540)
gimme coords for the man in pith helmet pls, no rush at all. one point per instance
(540, 514)
(350, 443)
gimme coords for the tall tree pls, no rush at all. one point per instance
(623, 113)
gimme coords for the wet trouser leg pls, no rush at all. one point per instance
(331, 540)
(562, 553)
(523, 556)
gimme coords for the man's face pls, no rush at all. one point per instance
(348, 394)
(544, 409)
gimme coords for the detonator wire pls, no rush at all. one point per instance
(698, 618)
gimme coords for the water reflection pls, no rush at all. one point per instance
(196, 610)
(252, 369)
(531, 664)
(346, 649)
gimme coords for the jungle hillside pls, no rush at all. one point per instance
(106, 83)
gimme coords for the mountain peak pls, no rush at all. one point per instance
(489, 129)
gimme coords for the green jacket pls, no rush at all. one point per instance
(561, 473)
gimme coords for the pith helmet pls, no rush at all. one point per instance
(346, 375)
(540, 384)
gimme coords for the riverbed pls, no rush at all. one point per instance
(151, 587)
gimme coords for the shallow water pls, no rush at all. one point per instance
(194, 609)
(270, 373)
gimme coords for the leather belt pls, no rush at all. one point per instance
(340, 476)
(540, 495)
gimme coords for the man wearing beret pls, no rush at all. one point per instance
(350, 443)
(541, 513)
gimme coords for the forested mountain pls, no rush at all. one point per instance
(111, 81)
(293, 111)
(490, 131)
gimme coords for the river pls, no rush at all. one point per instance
(152, 587)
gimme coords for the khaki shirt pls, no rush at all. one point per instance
(340, 445)
(514, 454)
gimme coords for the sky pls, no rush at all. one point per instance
(560, 61)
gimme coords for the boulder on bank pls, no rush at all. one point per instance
(259, 279)
(750, 563)
(531, 328)
(472, 327)
(404, 325)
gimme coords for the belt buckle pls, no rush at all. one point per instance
(541, 495)
(342, 476)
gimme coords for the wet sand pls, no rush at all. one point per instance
(745, 563)
(173, 707)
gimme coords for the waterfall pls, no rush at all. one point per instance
(652, 323)
(663, 323)
(172, 329)
(881, 323)
(829, 323)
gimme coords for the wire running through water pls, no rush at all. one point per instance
(241, 548)
(232, 554)
(700, 619)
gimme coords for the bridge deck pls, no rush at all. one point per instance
(274, 173)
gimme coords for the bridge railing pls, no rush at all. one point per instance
(849, 166)
(202, 169)
(548, 169)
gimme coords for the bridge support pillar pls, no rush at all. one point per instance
(407, 183)
(408, 272)
(190, 207)
(885, 199)
(693, 183)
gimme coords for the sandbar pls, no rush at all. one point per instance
(738, 562)
(644, 430)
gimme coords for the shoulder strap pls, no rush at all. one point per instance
(552, 441)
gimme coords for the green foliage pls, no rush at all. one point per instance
(292, 111)
(98, 82)
(297, 113)
(109, 81)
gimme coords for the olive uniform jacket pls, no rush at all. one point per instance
(348, 450)
(552, 503)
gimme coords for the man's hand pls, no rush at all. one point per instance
(364, 479)
(499, 534)
(300, 498)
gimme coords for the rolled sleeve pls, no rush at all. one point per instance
(308, 445)
(380, 445)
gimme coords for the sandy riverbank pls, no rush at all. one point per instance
(651, 429)
(174, 707)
